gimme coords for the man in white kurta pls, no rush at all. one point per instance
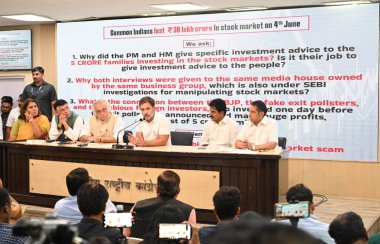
(65, 124)
(220, 130)
(154, 130)
(260, 132)
(103, 126)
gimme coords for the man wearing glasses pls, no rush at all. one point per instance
(42, 92)
(66, 125)
(103, 126)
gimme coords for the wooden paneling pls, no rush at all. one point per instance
(255, 175)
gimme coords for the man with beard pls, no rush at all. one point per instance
(42, 92)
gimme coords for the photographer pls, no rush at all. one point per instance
(92, 199)
(311, 224)
(6, 235)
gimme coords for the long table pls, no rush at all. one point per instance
(255, 174)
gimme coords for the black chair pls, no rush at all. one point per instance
(182, 138)
(282, 142)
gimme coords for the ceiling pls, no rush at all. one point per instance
(70, 10)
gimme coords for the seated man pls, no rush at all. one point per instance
(13, 116)
(348, 228)
(260, 133)
(154, 130)
(67, 208)
(65, 124)
(92, 200)
(167, 192)
(6, 107)
(103, 126)
(220, 130)
(311, 225)
(6, 235)
(226, 208)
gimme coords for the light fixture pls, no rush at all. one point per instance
(345, 3)
(157, 14)
(178, 6)
(233, 9)
(28, 17)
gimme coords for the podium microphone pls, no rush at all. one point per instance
(119, 146)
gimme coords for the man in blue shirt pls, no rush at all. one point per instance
(67, 208)
(6, 235)
(311, 224)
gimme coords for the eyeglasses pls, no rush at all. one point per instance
(104, 110)
(7, 107)
(63, 109)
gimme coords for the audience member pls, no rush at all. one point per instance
(246, 232)
(6, 107)
(6, 235)
(16, 213)
(311, 224)
(260, 132)
(220, 130)
(167, 214)
(348, 228)
(154, 130)
(92, 199)
(66, 125)
(13, 116)
(252, 216)
(103, 126)
(226, 208)
(167, 192)
(42, 92)
(99, 240)
(31, 124)
(67, 208)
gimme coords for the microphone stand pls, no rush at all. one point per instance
(120, 146)
(130, 132)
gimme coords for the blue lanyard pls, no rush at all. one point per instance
(38, 91)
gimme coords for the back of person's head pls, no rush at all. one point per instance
(219, 105)
(59, 102)
(246, 232)
(347, 228)
(167, 214)
(5, 202)
(299, 192)
(168, 184)
(92, 199)
(75, 179)
(260, 105)
(227, 202)
(253, 217)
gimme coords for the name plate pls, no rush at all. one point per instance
(124, 184)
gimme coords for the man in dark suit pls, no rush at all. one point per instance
(167, 192)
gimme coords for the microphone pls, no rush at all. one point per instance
(119, 146)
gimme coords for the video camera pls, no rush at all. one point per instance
(49, 230)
